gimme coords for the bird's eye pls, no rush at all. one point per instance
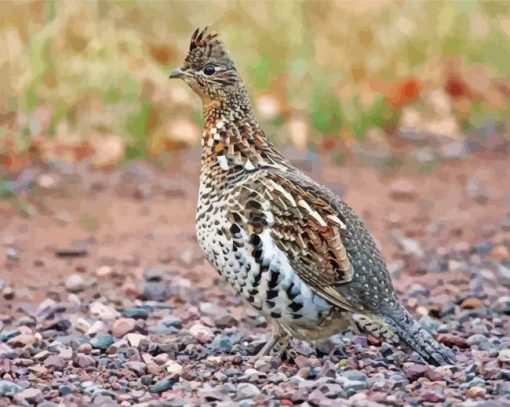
(209, 70)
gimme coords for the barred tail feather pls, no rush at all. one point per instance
(416, 337)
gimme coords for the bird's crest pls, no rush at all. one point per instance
(201, 38)
(206, 46)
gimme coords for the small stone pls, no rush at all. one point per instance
(476, 392)
(173, 321)
(84, 361)
(174, 368)
(22, 340)
(471, 303)
(29, 395)
(213, 361)
(402, 189)
(410, 246)
(55, 361)
(201, 332)
(263, 364)
(355, 375)
(82, 325)
(432, 397)
(414, 371)
(161, 386)
(42, 355)
(12, 254)
(453, 340)
(85, 348)
(476, 339)
(502, 305)
(8, 293)
(64, 390)
(102, 342)
(134, 339)
(96, 328)
(137, 313)
(155, 291)
(122, 326)
(138, 367)
(452, 150)
(504, 273)
(66, 353)
(154, 274)
(103, 311)
(222, 343)
(247, 391)
(75, 283)
(499, 253)
(504, 356)
(8, 388)
(103, 271)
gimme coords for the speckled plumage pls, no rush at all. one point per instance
(288, 245)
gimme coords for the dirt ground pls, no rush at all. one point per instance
(82, 247)
(140, 216)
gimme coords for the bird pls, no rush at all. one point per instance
(286, 244)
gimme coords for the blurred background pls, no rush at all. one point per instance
(89, 80)
(402, 108)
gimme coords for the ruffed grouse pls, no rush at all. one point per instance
(288, 245)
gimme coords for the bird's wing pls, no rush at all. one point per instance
(304, 223)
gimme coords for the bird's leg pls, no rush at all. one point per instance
(278, 345)
(277, 342)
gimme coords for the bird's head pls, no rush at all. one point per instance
(208, 69)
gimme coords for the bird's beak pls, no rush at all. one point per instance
(176, 73)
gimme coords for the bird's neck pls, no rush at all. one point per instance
(232, 139)
(230, 107)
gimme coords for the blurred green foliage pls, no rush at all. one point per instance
(72, 69)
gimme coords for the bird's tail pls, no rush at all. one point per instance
(416, 337)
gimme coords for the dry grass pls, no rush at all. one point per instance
(79, 71)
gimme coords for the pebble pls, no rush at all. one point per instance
(136, 313)
(504, 273)
(55, 361)
(122, 326)
(476, 339)
(103, 271)
(154, 274)
(476, 392)
(504, 355)
(414, 371)
(22, 340)
(161, 386)
(84, 361)
(155, 291)
(247, 391)
(402, 189)
(102, 342)
(103, 311)
(138, 367)
(453, 340)
(8, 388)
(174, 368)
(75, 283)
(471, 303)
(201, 332)
(96, 328)
(85, 348)
(502, 305)
(172, 321)
(82, 325)
(30, 395)
(134, 339)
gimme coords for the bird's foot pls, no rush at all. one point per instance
(278, 346)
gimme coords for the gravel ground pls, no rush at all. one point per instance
(121, 318)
